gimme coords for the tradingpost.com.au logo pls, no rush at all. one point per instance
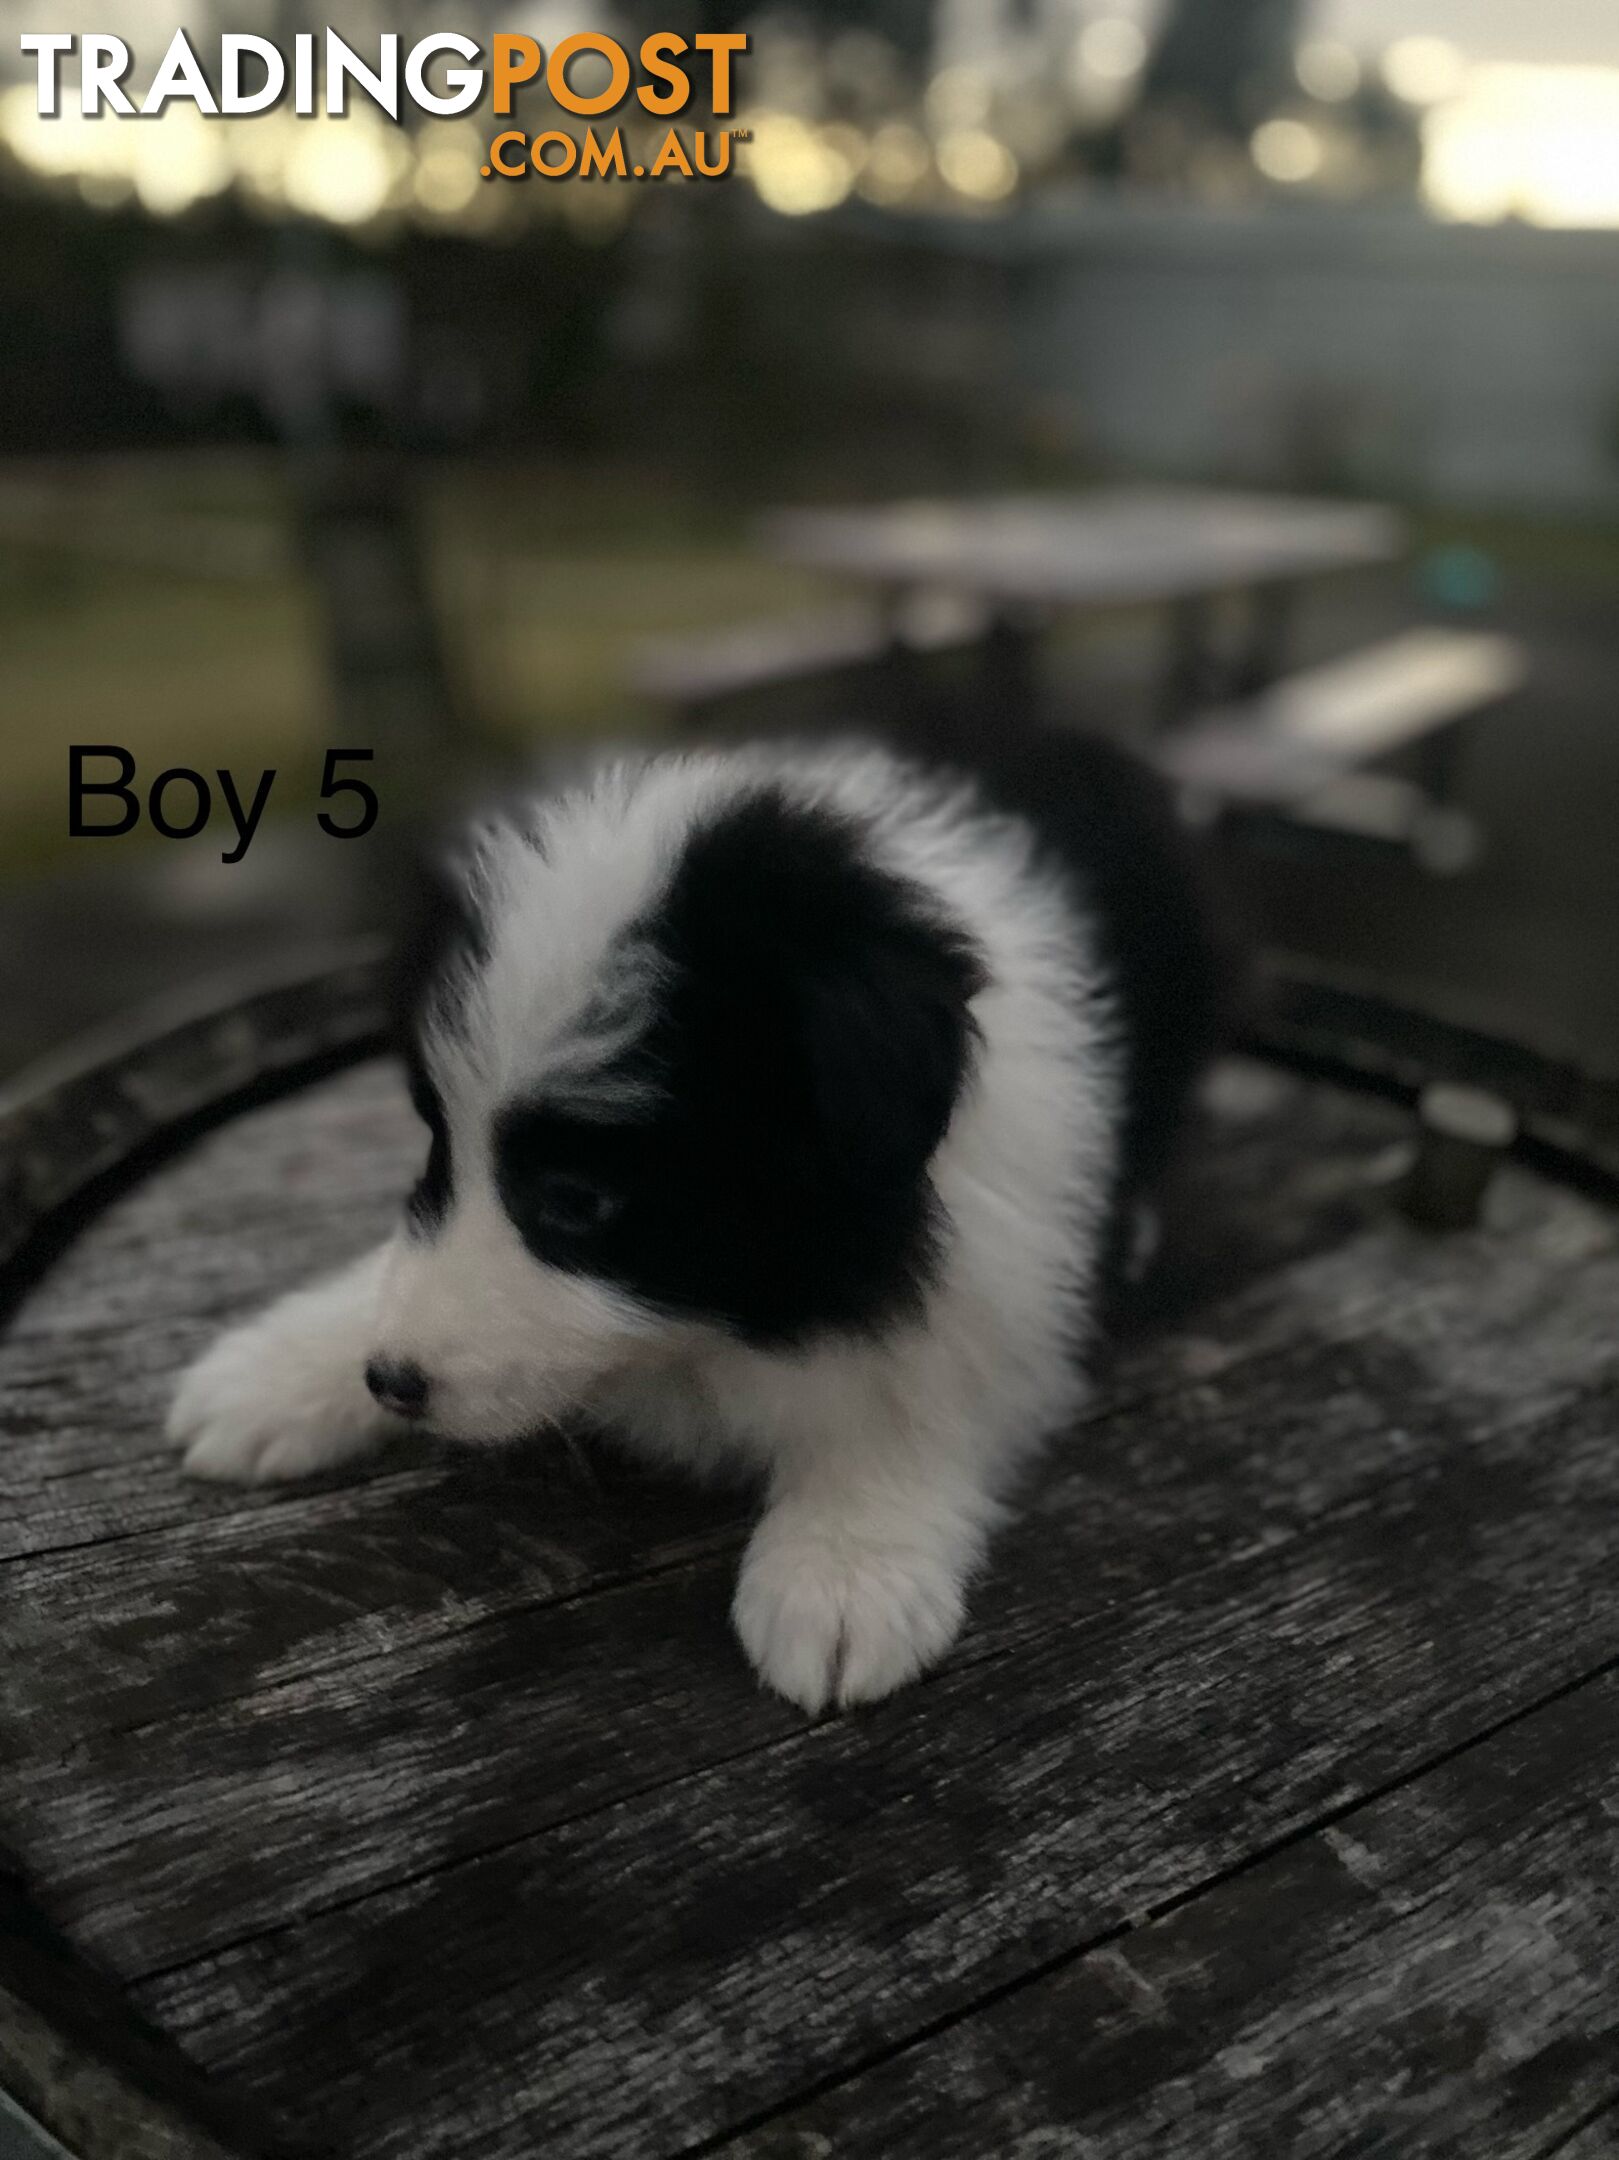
(585, 77)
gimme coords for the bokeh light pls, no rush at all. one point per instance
(1327, 70)
(977, 116)
(897, 164)
(795, 168)
(1287, 150)
(342, 169)
(1424, 70)
(1113, 47)
(958, 97)
(446, 176)
(975, 164)
(176, 161)
(1539, 143)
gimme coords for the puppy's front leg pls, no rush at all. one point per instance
(855, 1580)
(284, 1396)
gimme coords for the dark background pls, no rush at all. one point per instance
(308, 436)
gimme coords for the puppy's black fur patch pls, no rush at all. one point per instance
(811, 1035)
(807, 1050)
(444, 930)
(1107, 820)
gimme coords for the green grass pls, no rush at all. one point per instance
(179, 671)
(543, 599)
(547, 593)
(1580, 550)
(546, 582)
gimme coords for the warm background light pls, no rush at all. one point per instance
(1287, 150)
(976, 165)
(1112, 47)
(1424, 70)
(1328, 70)
(795, 169)
(1539, 143)
(1362, 100)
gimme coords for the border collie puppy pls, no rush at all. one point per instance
(787, 1106)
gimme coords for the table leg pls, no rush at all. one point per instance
(1189, 667)
(1271, 610)
(1011, 673)
(1439, 761)
(895, 682)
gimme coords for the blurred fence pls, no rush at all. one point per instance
(1375, 351)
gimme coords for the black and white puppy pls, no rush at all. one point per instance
(787, 1106)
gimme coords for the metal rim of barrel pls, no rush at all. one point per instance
(87, 1123)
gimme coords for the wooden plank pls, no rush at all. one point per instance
(1471, 1627)
(306, 1631)
(642, 1684)
(1431, 1974)
(441, 1864)
(646, 1976)
(1595, 2139)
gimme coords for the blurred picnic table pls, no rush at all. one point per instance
(1024, 558)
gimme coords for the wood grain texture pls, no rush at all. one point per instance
(692, 1953)
(1433, 1974)
(1595, 2138)
(76, 2065)
(435, 1813)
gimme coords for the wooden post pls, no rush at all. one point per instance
(1464, 1133)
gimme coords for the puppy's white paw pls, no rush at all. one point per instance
(828, 1617)
(266, 1403)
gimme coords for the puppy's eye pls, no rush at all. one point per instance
(569, 1205)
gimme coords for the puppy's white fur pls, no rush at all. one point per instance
(883, 1456)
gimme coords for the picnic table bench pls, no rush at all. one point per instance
(698, 674)
(1296, 751)
(1266, 1806)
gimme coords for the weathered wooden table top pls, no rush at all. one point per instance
(1269, 1806)
(1106, 547)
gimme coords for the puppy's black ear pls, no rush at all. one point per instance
(441, 924)
(830, 990)
(888, 1040)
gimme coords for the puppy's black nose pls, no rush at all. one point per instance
(398, 1385)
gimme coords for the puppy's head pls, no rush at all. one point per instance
(684, 1056)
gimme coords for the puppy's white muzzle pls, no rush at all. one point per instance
(501, 1342)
